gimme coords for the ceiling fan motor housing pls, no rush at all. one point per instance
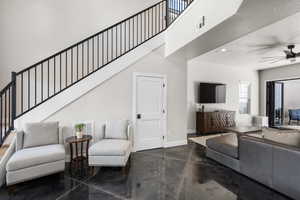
(291, 46)
(292, 54)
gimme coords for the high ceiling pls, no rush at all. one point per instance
(252, 16)
(253, 49)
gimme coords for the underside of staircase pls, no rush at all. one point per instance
(37, 84)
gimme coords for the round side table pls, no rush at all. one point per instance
(73, 140)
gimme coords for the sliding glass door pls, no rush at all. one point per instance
(275, 90)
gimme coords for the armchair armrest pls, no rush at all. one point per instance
(60, 136)
(130, 132)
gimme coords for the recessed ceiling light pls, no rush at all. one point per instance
(223, 50)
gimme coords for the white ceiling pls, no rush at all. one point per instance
(248, 50)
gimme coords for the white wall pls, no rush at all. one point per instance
(207, 72)
(113, 99)
(279, 73)
(32, 30)
(291, 96)
(187, 29)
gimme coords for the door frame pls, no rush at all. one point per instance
(264, 101)
(134, 110)
(270, 102)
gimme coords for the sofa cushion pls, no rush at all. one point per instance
(226, 144)
(39, 134)
(109, 147)
(116, 129)
(35, 156)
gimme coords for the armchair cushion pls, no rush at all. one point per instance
(116, 129)
(110, 147)
(35, 156)
(39, 134)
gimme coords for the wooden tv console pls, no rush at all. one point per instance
(214, 122)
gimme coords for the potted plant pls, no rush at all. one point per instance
(79, 130)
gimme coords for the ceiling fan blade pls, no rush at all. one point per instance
(267, 61)
(277, 61)
(270, 45)
(298, 54)
(270, 59)
(260, 49)
(288, 53)
(264, 61)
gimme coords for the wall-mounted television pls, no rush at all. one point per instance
(211, 93)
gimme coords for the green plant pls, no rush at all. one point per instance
(79, 127)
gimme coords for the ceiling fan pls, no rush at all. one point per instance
(289, 55)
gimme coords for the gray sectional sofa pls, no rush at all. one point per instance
(271, 158)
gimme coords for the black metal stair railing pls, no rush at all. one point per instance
(6, 118)
(40, 82)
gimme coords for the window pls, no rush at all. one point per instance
(177, 6)
(245, 98)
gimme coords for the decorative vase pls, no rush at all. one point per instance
(79, 134)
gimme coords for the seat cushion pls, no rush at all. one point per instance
(35, 156)
(116, 129)
(39, 134)
(226, 144)
(109, 147)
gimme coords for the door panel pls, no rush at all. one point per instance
(149, 111)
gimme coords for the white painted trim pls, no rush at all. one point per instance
(164, 77)
(81, 88)
(175, 143)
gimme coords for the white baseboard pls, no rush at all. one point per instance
(191, 131)
(175, 143)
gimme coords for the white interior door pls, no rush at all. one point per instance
(150, 111)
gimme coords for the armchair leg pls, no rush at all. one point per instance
(124, 170)
(93, 169)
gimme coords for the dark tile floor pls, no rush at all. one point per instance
(182, 173)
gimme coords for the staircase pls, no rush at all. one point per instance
(31, 87)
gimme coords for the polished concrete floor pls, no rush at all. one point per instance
(182, 173)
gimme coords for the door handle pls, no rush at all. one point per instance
(138, 116)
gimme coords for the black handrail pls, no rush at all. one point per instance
(45, 79)
(88, 38)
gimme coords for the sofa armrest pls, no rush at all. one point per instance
(19, 140)
(286, 171)
(256, 159)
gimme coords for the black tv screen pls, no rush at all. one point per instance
(212, 93)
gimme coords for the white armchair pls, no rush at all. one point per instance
(39, 152)
(113, 146)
